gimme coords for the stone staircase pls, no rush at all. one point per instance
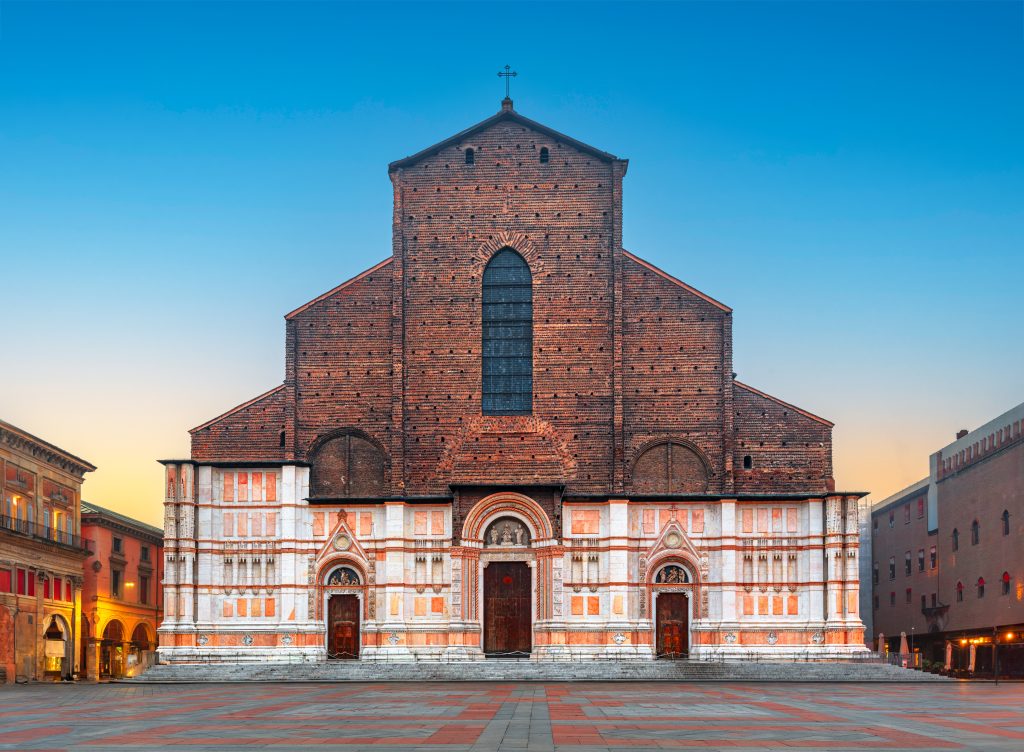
(526, 670)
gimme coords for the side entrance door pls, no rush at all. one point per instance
(507, 615)
(673, 625)
(343, 626)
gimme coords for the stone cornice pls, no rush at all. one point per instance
(26, 443)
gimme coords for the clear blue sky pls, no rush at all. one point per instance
(175, 177)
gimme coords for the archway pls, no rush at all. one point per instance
(507, 588)
(57, 648)
(112, 656)
(506, 580)
(141, 640)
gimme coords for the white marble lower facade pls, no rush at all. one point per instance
(254, 572)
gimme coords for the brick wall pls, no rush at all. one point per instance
(982, 492)
(623, 354)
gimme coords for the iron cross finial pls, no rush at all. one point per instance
(508, 74)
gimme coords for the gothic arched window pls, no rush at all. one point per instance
(1006, 521)
(507, 333)
(470, 156)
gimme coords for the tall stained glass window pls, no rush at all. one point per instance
(507, 336)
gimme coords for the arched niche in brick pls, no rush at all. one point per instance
(348, 463)
(670, 467)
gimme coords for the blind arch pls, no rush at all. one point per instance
(507, 336)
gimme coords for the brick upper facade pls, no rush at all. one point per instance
(624, 355)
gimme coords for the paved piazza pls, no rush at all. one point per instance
(541, 716)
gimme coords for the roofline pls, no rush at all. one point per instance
(800, 410)
(331, 292)
(89, 508)
(88, 466)
(488, 122)
(670, 278)
(914, 489)
(234, 410)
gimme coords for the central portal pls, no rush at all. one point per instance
(507, 613)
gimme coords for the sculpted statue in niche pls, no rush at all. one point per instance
(343, 576)
(672, 575)
(506, 532)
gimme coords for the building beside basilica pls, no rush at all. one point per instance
(511, 436)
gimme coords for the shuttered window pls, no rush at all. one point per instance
(507, 330)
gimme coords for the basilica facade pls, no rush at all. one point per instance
(511, 437)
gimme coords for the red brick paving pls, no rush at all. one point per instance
(460, 717)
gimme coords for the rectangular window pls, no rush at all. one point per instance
(892, 518)
(924, 603)
(5, 580)
(143, 590)
(271, 487)
(920, 508)
(907, 566)
(118, 545)
(243, 486)
(31, 577)
(892, 598)
(58, 588)
(874, 523)
(144, 553)
(934, 600)
(229, 486)
(876, 602)
(21, 582)
(892, 567)
(67, 591)
(910, 595)
(906, 514)
(932, 557)
(115, 583)
(920, 560)
(874, 574)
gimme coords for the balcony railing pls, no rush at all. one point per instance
(42, 533)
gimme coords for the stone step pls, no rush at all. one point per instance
(491, 670)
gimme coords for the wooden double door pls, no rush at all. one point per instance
(673, 625)
(507, 612)
(343, 626)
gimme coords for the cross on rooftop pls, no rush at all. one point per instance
(508, 74)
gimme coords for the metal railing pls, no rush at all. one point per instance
(43, 533)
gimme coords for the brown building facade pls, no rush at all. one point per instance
(955, 538)
(122, 595)
(41, 555)
(510, 386)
